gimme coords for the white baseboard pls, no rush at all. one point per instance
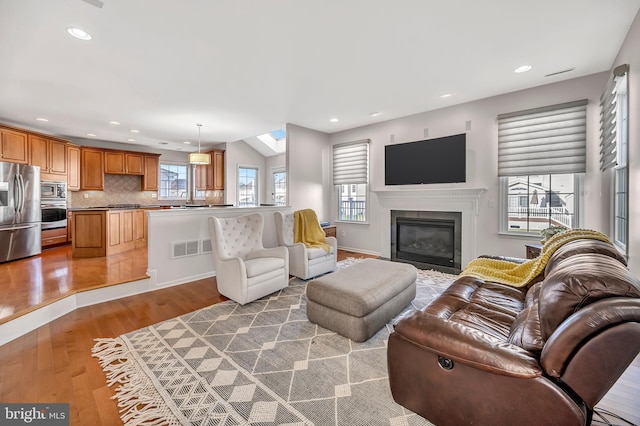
(357, 250)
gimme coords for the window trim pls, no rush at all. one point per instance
(336, 190)
(622, 160)
(274, 170)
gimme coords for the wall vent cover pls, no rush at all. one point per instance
(185, 248)
(206, 246)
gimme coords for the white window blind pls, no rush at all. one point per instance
(547, 140)
(608, 120)
(351, 163)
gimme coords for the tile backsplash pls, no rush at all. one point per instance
(125, 189)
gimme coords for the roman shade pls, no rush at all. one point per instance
(608, 120)
(547, 140)
(351, 162)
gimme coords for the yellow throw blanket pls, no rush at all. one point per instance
(307, 230)
(519, 275)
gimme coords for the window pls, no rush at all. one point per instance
(247, 186)
(279, 190)
(350, 177)
(614, 151)
(541, 164)
(536, 202)
(174, 183)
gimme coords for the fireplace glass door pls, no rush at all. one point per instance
(426, 240)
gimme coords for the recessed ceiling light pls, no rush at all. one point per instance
(334, 120)
(115, 123)
(91, 134)
(131, 140)
(135, 131)
(446, 95)
(523, 68)
(374, 114)
(79, 34)
(187, 142)
(42, 119)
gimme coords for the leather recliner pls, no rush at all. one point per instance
(484, 353)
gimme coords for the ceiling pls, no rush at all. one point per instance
(243, 68)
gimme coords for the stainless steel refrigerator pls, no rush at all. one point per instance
(20, 215)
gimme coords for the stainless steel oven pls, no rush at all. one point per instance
(53, 204)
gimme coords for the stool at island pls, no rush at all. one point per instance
(359, 300)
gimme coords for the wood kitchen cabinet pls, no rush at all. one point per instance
(50, 155)
(73, 167)
(13, 146)
(218, 170)
(123, 163)
(105, 232)
(69, 226)
(52, 237)
(151, 176)
(211, 176)
(91, 169)
(89, 233)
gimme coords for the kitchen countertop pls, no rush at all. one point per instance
(153, 206)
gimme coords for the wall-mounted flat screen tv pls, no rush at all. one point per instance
(440, 160)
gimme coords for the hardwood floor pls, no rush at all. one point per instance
(30, 283)
(54, 364)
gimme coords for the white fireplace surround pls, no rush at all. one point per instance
(464, 200)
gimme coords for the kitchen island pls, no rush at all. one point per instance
(103, 231)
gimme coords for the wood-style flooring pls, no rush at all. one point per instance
(30, 283)
(54, 364)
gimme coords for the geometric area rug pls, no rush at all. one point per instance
(261, 363)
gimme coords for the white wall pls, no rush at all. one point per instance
(630, 54)
(308, 168)
(482, 152)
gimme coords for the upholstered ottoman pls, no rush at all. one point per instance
(359, 300)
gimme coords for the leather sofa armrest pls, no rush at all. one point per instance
(468, 346)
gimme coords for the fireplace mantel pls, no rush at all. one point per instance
(464, 200)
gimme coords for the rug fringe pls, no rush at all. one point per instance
(139, 402)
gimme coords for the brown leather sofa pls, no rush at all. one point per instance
(484, 353)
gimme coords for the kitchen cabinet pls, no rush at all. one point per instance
(123, 163)
(120, 231)
(218, 170)
(89, 233)
(13, 146)
(91, 169)
(103, 232)
(50, 155)
(73, 167)
(211, 176)
(52, 237)
(151, 176)
(69, 226)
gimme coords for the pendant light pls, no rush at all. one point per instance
(198, 157)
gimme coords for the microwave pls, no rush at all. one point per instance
(52, 190)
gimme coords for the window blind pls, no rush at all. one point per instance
(608, 120)
(547, 140)
(351, 162)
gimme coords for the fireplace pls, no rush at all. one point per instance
(428, 240)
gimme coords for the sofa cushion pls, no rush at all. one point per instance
(316, 252)
(578, 281)
(262, 265)
(525, 330)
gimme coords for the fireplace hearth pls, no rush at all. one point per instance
(428, 240)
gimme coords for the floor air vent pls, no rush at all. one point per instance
(184, 248)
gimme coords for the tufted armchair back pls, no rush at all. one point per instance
(286, 234)
(237, 236)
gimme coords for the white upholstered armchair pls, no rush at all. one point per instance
(245, 270)
(304, 262)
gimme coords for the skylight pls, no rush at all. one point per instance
(279, 134)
